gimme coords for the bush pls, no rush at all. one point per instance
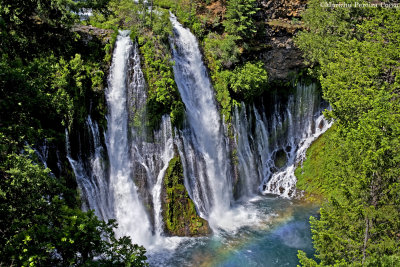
(249, 81)
(221, 50)
(39, 228)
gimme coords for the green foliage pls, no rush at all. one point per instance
(46, 95)
(163, 95)
(185, 11)
(39, 228)
(244, 83)
(360, 77)
(31, 27)
(249, 81)
(328, 26)
(310, 175)
(239, 18)
(223, 96)
(233, 78)
(221, 51)
(179, 212)
(120, 14)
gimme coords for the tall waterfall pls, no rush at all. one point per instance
(127, 206)
(128, 189)
(269, 154)
(204, 146)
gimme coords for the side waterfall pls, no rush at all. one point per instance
(91, 175)
(204, 147)
(150, 153)
(269, 154)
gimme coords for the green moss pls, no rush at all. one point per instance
(179, 212)
(310, 172)
(163, 95)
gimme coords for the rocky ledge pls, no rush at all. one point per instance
(282, 20)
(89, 32)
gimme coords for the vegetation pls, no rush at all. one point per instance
(235, 81)
(179, 212)
(39, 227)
(51, 77)
(310, 175)
(355, 51)
(163, 94)
(151, 30)
(240, 18)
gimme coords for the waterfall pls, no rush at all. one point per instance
(128, 189)
(129, 211)
(150, 154)
(91, 180)
(42, 152)
(123, 180)
(269, 155)
(203, 150)
(164, 136)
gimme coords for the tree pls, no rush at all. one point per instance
(239, 18)
(359, 69)
(39, 228)
(221, 51)
(31, 27)
(359, 223)
(249, 81)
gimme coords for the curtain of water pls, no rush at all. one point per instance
(269, 155)
(127, 206)
(206, 161)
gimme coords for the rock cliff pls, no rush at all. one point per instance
(282, 20)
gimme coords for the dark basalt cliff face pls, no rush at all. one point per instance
(282, 21)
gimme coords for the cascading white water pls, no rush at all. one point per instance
(133, 154)
(150, 159)
(204, 155)
(270, 154)
(164, 136)
(128, 209)
(92, 181)
(42, 152)
(252, 151)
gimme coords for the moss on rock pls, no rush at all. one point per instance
(179, 212)
(309, 175)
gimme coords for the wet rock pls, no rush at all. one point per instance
(178, 210)
(321, 124)
(280, 158)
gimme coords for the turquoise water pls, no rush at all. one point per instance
(271, 238)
